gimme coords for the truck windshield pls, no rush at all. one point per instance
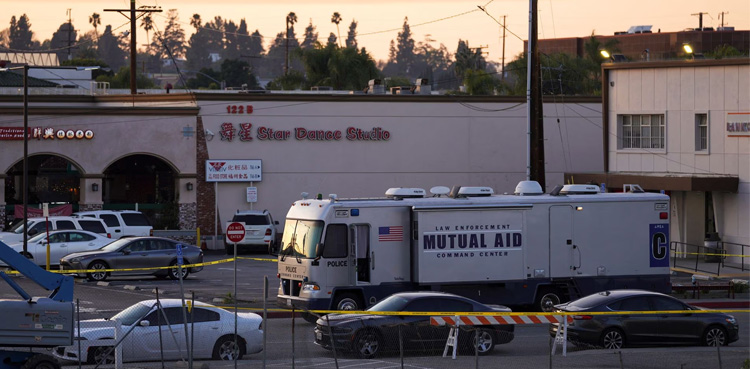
(300, 238)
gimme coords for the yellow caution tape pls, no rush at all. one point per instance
(76, 271)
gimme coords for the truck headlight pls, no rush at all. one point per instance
(310, 287)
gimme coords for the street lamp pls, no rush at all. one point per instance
(605, 53)
(688, 49)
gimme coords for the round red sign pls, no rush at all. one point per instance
(235, 232)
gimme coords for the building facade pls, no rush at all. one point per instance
(153, 149)
(683, 127)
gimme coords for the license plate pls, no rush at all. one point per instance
(319, 336)
(288, 302)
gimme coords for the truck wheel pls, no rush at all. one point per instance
(41, 361)
(547, 300)
(348, 301)
(98, 274)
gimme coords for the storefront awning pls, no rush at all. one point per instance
(660, 181)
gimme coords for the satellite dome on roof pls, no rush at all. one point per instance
(527, 188)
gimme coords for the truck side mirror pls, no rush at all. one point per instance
(319, 248)
(144, 323)
(33, 232)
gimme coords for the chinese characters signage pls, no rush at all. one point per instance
(49, 133)
(244, 132)
(233, 171)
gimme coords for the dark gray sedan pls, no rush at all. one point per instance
(643, 317)
(136, 256)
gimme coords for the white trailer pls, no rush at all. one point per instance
(522, 249)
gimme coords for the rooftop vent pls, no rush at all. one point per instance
(528, 188)
(579, 189)
(404, 193)
(375, 87)
(475, 191)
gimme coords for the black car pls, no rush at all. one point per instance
(368, 335)
(691, 326)
(136, 256)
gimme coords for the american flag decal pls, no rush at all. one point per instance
(393, 233)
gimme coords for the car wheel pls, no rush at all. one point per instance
(547, 300)
(41, 361)
(715, 336)
(225, 349)
(483, 342)
(98, 273)
(174, 271)
(98, 355)
(612, 339)
(367, 344)
(348, 301)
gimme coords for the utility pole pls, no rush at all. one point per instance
(700, 19)
(133, 17)
(721, 15)
(286, 53)
(70, 34)
(502, 70)
(534, 101)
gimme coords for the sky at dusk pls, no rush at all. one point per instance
(439, 21)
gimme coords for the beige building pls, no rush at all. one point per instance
(683, 127)
(152, 149)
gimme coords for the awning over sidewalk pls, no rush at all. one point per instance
(660, 181)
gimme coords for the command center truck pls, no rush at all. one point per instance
(521, 249)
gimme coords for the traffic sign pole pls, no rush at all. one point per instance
(235, 234)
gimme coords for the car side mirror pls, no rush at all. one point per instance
(144, 323)
(33, 232)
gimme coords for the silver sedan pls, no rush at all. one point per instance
(135, 256)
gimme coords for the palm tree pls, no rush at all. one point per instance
(336, 19)
(291, 19)
(148, 24)
(195, 21)
(96, 22)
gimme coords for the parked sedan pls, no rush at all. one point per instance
(212, 330)
(690, 326)
(61, 243)
(368, 335)
(138, 256)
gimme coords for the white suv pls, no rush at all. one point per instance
(38, 225)
(123, 222)
(260, 230)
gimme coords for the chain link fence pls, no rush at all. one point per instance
(164, 328)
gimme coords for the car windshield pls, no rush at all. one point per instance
(392, 303)
(116, 245)
(591, 300)
(251, 219)
(131, 315)
(300, 238)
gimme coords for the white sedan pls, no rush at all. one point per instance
(212, 327)
(61, 243)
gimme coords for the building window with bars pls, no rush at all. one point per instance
(701, 132)
(641, 131)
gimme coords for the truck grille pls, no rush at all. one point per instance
(291, 287)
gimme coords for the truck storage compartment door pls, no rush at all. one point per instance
(561, 242)
(469, 244)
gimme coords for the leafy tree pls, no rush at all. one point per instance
(405, 49)
(351, 36)
(111, 49)
(274, 65)
(725, 51)
(336, 19)
(467, 59)
(206, 78)
(290, 81)
(197, 53)
(20, 36)
(479, 82)
(237, 73)
(4, 34)
(64, 37)
(122, 79)
(231, 42)
(311, 37)
(255, 50)
(332, 40)
(340, 68)
(86, 47)
(173, 37)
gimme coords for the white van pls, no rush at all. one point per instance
(123, 222)
(38, 225)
